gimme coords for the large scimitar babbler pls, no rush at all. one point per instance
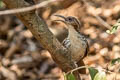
(75, 42)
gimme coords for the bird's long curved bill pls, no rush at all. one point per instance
(61, 17)
(60, 20)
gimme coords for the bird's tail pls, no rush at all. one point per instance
(80, 64)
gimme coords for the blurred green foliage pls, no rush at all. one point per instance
(69, 77)
(1, 4)
(114, 61)
(114, 28)
(92, 72)
(97, 74)
(100, 76)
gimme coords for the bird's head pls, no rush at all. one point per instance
(70, 20)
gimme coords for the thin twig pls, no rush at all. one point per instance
(104, 23)
(25, 9)
(77, 69)
(87, 68)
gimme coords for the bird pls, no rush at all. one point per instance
(75, 42)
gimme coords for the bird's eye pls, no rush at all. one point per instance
(70, 19)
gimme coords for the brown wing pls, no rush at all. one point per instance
(87, 46)
(81, 62)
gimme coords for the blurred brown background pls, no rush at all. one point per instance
(23, 58)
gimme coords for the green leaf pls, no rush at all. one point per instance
(70, 77)
(115, 60)
(100, 76)
(114, 28)
(1, 4)
(65, 76)
(92, 72)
